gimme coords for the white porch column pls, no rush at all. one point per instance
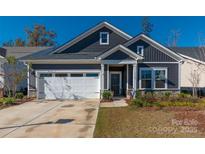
(102, 76)
(134, 76)
(127, 84)
(108, 77)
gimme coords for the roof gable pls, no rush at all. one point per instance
(89, 32)
(156, 45)
(120, 48)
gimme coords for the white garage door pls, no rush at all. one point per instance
(69, 85)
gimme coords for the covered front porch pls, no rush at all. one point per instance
(119, 70)
(119, 78)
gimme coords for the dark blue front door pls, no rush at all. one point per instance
(115, 84)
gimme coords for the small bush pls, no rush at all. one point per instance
(137, 102)
(9, 100)
(1, 100)
(107, 95)
(175, 104)
(138, 94)
(150, 97)
(19, 95)
(167, 94)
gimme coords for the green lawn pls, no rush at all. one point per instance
(141, 122)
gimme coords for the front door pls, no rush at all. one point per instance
(115, 80)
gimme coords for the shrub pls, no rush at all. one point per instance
(107, 95)
(183, 95)
(194, 99)
(167, 94)
(137, 102)
(168, 104)
(150, 98)
(1, 100)
(19, 95)
(9, 100)
(138, 94)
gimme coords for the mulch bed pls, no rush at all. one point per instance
(18, 102)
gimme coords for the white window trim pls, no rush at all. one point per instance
(108, 38)
(155, 79)
(140, 47)
(153, 85)
(140, 81)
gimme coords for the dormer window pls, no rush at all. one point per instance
(104, 38)
(140, 50)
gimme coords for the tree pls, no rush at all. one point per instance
(173, 38)
(12, 75)
(147, 26)
(19, 42)
(195, 77)
(40, 36)
(16, 43)
(9, 43)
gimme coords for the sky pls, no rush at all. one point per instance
(68, 27)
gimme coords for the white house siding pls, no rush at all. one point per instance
(186, 68)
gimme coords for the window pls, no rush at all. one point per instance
(91, 74)
(153, 78)
(76, 75)
(42, 75)
(61, 75)
(140, 50)
(160, 78)
(104, 38)
(146, 79)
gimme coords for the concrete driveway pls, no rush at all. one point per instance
(50, 119)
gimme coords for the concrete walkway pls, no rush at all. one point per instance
(117, 102)
(50, 119)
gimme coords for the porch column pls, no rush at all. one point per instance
(134, 76)
(102, 76)
(108, 77)
(127, 84)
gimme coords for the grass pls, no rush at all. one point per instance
(141, 122)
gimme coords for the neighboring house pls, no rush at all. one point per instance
(194, 61)
(17, 52)
(103, 58)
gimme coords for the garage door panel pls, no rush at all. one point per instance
(69, 87)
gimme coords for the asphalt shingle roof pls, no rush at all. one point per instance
(193, 52)
(19, 52)
(46, 53)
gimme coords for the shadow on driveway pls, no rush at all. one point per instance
(59, 121)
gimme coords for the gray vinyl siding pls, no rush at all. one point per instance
(119, 55)
(151, 54)
(66, 66)
(172, 70)
(92, 43)
(130, 76)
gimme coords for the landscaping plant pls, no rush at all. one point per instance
(107, 95)
(19, 95)
(166, 99)
(9, 100)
